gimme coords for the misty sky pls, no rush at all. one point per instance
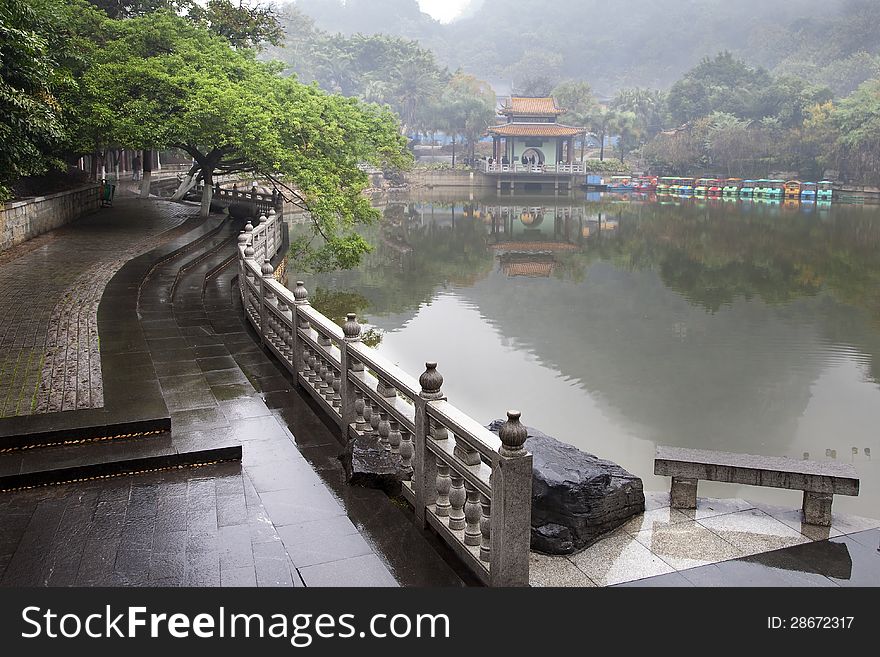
(443, 10)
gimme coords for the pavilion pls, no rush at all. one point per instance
(532, 130)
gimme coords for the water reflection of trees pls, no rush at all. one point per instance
(713, 256)
(711, 253)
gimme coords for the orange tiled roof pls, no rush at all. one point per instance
(535, 130)
(532, 106)
(532, 269)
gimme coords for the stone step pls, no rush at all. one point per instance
(108, 458)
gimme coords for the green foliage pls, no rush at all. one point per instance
(536, 73)
(608, 165)
(465, 108)
(381, 69)
(242, 24)
(31, 74)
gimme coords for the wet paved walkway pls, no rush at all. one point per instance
(284, 516)
(50, 288)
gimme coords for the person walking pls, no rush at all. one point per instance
(136, 167)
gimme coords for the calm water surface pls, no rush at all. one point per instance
(616, 325)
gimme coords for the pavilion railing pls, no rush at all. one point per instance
(471, 486)
(517, 167)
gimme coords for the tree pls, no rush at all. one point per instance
(162, 81)
(243, 24)
(31, 122)
(857, 122)
(536, 73)
(719, 84)
(579, 103)
(649, 106)
(466, 108)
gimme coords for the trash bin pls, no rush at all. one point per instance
(107, 191)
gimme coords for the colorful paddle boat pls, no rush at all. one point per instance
(620, 184)
(702, 187)
(732, 187)
(793, 189)
(808, 192)
(747, 189)
(775, 189)
(664, 183)
(825, 191)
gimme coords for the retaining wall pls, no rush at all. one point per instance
(21, 220)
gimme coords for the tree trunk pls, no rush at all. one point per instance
(453, 152)
(207, 191)
(147, 160)
(186, 184)
(602, 147)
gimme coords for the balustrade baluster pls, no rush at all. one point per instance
(384, 429)
(457, 498)
(375, 417)
(485, 528)
(336, 398)
(368, 416)
(472, 532)
(306, 368)
(394, 437)
(359, 405)
(407, 449)
(444, 485)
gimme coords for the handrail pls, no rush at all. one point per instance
(471, 486)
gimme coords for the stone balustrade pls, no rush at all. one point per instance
(570, 168)
(264, 203)
(471, 486)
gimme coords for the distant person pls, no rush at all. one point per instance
(504, 160)
(136, 168)
(524, 159)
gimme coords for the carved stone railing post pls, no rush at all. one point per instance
(266, 296)
(351, 331)
(424, 464)
(300, 299)
(511, 506)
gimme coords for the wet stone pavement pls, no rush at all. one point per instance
(283, 516)
(50, 288)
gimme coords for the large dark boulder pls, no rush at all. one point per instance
(368, 464)
(576, 497)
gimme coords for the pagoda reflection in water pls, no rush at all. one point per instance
(526, 236)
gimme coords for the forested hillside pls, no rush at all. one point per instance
(638, 43)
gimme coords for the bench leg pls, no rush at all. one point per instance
(683, 494)
(817, 508)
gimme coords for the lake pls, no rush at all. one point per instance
(616, 324)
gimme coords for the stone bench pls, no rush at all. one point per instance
(820, 481)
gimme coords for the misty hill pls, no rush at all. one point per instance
(637, 43)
